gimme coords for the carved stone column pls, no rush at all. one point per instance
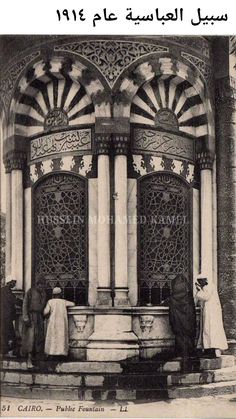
(226, 202)
(103, 225)
(205, 161)
(120, 143)
(8, 220)
(17, 161)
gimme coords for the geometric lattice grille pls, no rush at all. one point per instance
(164, 235)
(60, 235)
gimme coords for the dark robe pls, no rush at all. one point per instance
(182, 317)
(8, 315)
(33, 322)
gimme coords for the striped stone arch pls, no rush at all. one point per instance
(167, 84)
(56, 93)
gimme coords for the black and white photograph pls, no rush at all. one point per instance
(118, 225)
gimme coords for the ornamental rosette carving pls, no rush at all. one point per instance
(111, 57)
(8, 82)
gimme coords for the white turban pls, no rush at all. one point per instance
(56, 290)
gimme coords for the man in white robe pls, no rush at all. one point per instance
(57, 338)
(212, 334)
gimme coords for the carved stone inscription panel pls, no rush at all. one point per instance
(76, 140)
(162, 142)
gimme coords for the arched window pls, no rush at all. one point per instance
(60, 235)
(164, 250)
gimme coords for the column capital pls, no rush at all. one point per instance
(205, 160)
(103, 143)
(14, 160)
(120, 144)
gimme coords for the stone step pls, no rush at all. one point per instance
(73, 393)
(105, 381)
(196, 364)
(204, 377)
(114, 381)
(141, 366)
(65, 367)
(213, 389)
(89, 394)
(121, 380)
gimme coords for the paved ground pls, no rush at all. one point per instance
(206, 407)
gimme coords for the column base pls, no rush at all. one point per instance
(113, 339)
(104, 297)
(121, 297)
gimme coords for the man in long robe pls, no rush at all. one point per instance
(212, 337)
(33, 323)
(8, 315)
(182, 316)
(57, 338)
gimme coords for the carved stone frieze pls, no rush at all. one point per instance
(147, 140)
(111, 57)
(76, 140)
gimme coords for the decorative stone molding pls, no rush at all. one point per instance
(149, 140)
(201, 65)
(14, 160)
(76, 140)
(205, 160)
(80, 321)
(146, 323)
(145, 163)
(8, 82)
(120, 144)
(111, 57)
(82, 165)
(103, 144)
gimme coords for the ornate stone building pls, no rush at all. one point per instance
(120, 174)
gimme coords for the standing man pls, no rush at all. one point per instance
(33, 322)
(212, 337)
(182, 318)
(8, 315)
(57, 338)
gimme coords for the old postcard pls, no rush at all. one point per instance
(118, 224)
